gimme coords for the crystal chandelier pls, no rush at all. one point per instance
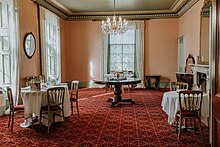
(114, 26)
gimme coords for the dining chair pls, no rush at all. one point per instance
(174, 86)
(12, 108)
(74, 96)
(55, 99)
(190, 108)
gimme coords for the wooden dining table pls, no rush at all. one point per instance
(117, 83)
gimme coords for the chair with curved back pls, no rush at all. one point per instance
(190, 102)
(12, 108)
(178, 85)
(74, 96)
(55, 99)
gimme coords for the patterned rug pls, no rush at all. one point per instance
(141, 124)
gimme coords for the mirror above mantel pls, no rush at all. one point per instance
(205, 19)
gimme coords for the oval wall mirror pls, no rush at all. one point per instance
(29, 44)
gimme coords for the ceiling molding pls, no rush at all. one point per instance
(186, 7)
(53, 9)
(175, 12)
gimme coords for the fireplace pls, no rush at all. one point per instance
(201, 76)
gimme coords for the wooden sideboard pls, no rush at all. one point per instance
(185, 77)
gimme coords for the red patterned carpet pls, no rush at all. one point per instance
(141, 124)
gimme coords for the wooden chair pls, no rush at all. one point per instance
(74, 96)
(190, 108)
(13, 108)
(178, 85)
(55, 98)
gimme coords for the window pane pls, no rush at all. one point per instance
(116, 58)
(115, 48)
(52, 65)
(6, 61)
(0, 14)
(116, 66)
(128, 57)
(127, 38)
(128, 48)
(4, 15)
(5, 43)
(1, 69)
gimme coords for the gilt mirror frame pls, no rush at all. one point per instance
(204, 33)
(29, 45)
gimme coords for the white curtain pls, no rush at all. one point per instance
(104, 57)
(140, 51)
(48, 17)
(14, 44)
(14, 41)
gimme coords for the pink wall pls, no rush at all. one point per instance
(62, 48)
(83, 48)
(161, 48)
(28, 23)
(81, 44)
(189, 25)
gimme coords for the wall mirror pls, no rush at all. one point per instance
(29, 44)
(205, 18)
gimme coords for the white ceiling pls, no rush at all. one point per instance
(131, 9)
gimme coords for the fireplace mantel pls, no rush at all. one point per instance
(199, 68)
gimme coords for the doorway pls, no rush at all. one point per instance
(181, 53)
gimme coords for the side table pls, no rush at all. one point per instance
(148, 79)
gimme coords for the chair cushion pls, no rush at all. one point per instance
(18, 107)
(52, 108)
(72, 99)
(189, 113)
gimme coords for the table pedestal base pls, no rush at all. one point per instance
(118, 97)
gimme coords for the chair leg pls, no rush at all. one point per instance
(63, 118)
(194, 125)
(77, 107)
(200, 128)
(48, 123)
(53, 117)
(12, 122)
(32, 123)
(40, 118)
(9, 119)
(179, 128)
(176, 126)
(71, 108)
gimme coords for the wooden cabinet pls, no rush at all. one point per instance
(185, 77)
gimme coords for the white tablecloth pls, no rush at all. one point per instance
(33, 100)
(170, 105)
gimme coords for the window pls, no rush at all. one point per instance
(122, 52)
(51, 45)
(5, 47)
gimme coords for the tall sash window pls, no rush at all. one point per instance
(9, 46)
(50, 30)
